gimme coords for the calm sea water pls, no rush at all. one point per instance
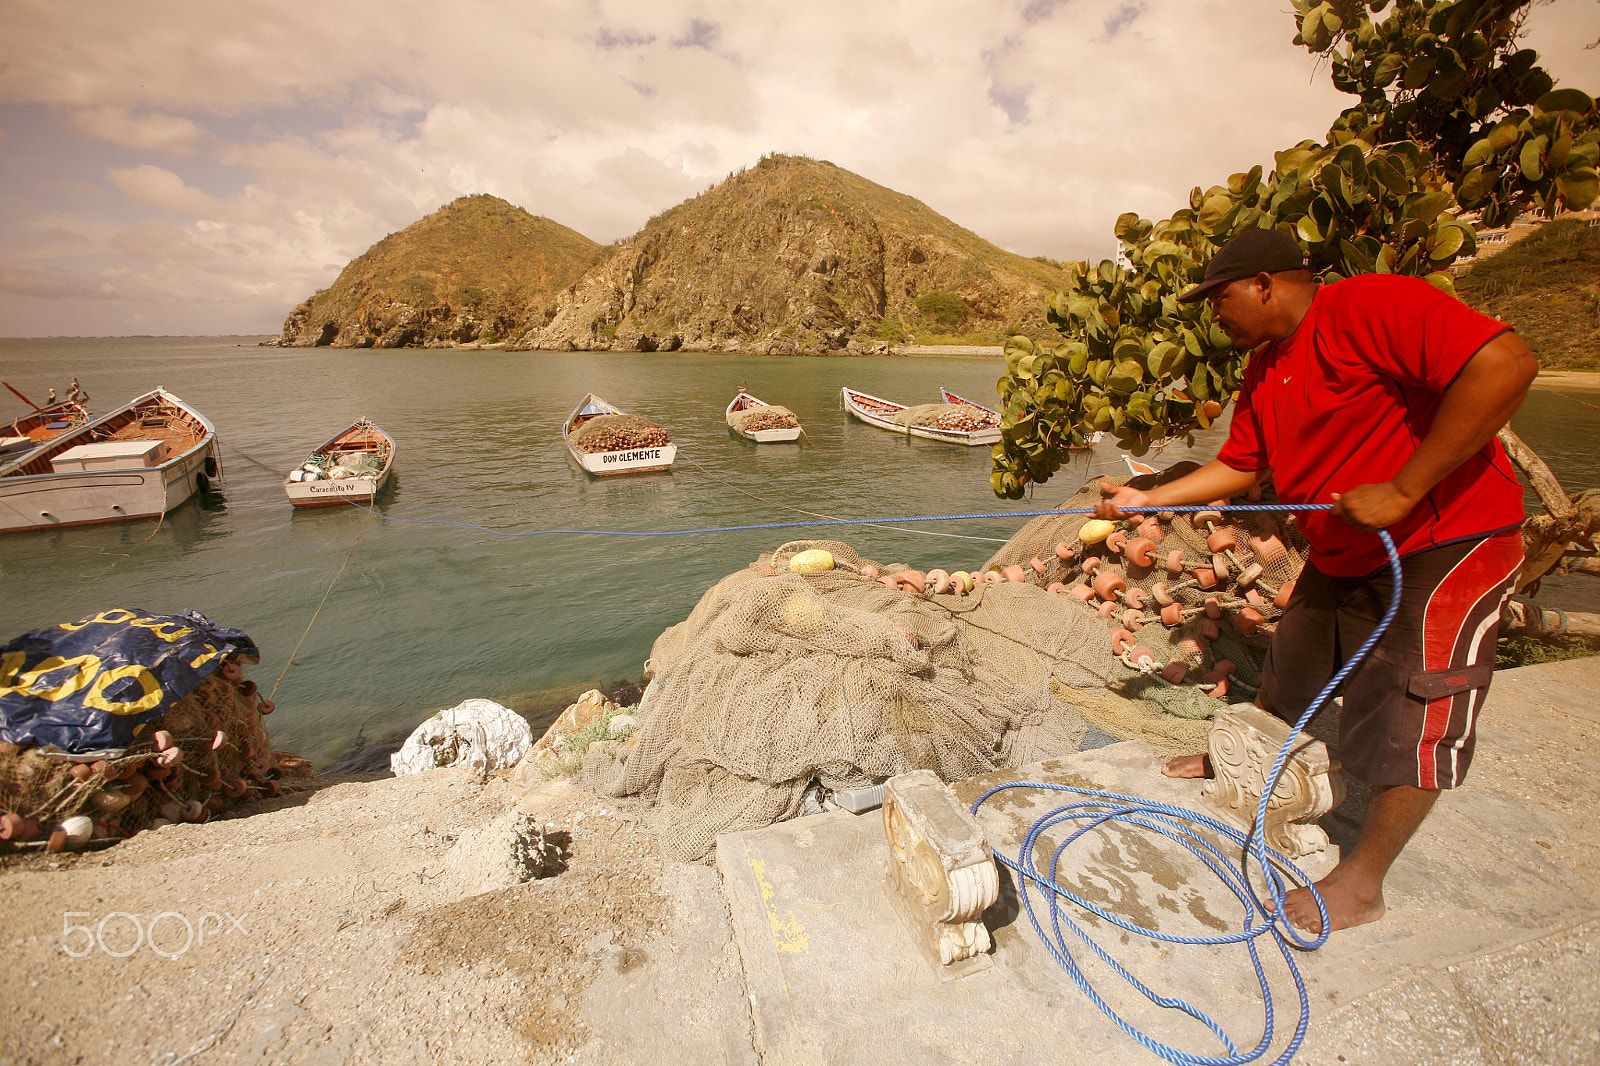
(420, 616)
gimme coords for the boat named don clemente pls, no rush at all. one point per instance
(139, 461)
(962, 423)
(350, 468)
(607, 440)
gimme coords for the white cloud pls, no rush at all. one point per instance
(170, 134)
(153, 186)
(235, 156)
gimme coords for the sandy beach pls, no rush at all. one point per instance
(1568, 380)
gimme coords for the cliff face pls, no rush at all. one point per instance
(478, 269)
(794, 255)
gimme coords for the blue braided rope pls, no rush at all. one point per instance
(816, 521)
(1174, 823)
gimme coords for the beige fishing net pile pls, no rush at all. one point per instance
(778, 679)
(611, 433)
(959, 416)
(769, 416)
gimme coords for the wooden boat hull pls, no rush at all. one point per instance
(53, 500)
(761, 436)
(625, 461)
(23, 437)
(633, 461)
(950, 397)
(338, 492)
(867, 408)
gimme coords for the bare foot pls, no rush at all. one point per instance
(1351, 900)
(1189, 766)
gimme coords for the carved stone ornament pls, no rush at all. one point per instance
(1244, 743)
(939, 870)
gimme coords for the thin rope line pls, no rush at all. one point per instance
(801, 510)
(326, 593)
(121, 556)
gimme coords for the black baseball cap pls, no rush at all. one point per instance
(1255, 251)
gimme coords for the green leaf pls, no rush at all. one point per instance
(1480, 153)
(1532, 167)
(1565, 100)
(1446, 242)
(1579, 187)
(1418, 71)
(1161, 358)
(1425, 206)
(1474, 184)
(1388, 68)
(1307, 230)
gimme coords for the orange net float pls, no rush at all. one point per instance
(1108, 583)
(1140, 551)
(1221, 540)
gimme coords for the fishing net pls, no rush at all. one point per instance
(360, 464)
(611, 433)
(754, 419)
(778, 679)
(958, 416)
(226, 758)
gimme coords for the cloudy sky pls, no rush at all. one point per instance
(189, 166)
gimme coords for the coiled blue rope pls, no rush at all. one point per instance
(1178, 824)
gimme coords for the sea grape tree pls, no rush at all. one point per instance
(1453, 120)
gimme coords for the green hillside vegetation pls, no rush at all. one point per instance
(477, 270)
(797, 254)
(1547, 286)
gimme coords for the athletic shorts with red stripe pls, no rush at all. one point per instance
(1411, 706)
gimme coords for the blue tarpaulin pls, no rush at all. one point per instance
(89, 685)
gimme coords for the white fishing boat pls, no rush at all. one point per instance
(350, 468)
(139, 461)
(23, 436)
(761, 421)
(607, 440)
(950, 397)
(954, 423)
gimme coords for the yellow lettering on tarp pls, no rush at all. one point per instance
(161, 628)
(204, 657)
(84, 669)
(10, 663)
(147, 681)
(115, 616)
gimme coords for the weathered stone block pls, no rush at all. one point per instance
(940, 871)
(1243, 745)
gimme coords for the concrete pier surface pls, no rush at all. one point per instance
(1489, 952)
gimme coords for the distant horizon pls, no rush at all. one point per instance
(131, 336)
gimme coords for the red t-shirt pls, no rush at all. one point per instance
(1345, 401)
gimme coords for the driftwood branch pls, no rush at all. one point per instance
(1569, 524)
(1526, 618)
(1551, 494)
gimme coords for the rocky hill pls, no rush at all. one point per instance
(1547, 286)
(478, 269)
(795, 254)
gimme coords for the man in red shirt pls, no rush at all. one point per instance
(1381, 395)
